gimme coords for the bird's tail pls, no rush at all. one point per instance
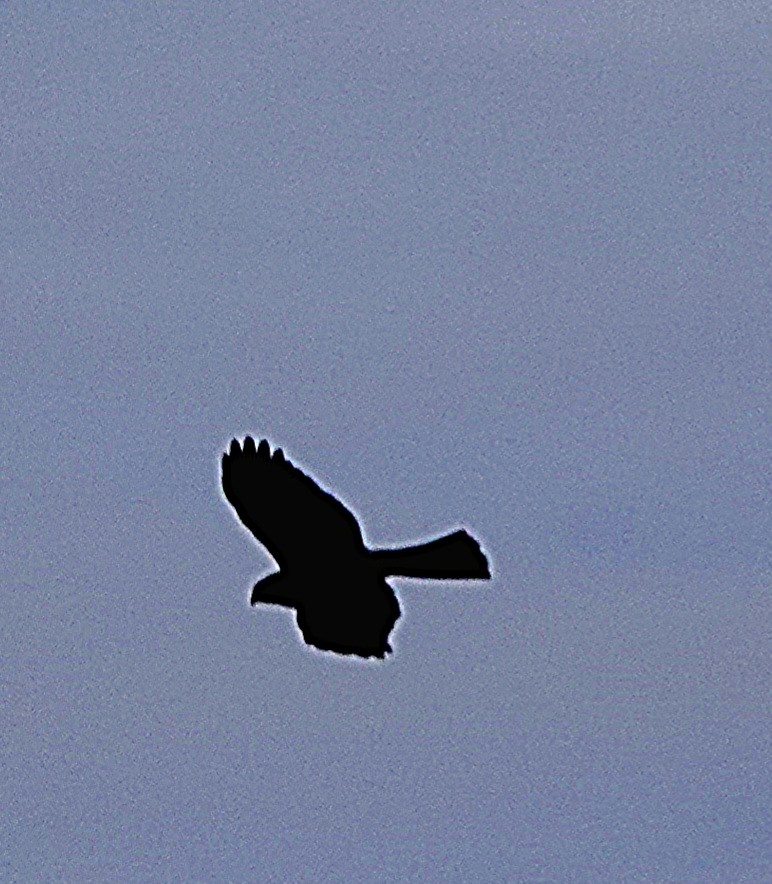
(455, 556)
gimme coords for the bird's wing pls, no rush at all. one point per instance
(357, 619)
(294, 519)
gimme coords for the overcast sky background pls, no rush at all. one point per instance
(482, 264)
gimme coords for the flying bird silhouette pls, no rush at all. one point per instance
(335, 584)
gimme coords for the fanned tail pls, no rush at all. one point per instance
(456, 556)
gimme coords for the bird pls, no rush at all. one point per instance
(336, 585)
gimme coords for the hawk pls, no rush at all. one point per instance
(334, 583)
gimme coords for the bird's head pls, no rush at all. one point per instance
(276, 589)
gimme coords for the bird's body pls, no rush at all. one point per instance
(336, 585)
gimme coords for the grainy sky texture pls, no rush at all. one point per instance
(496, 265)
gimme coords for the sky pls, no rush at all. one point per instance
(501, 266)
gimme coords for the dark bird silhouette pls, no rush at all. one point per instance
(335, 584)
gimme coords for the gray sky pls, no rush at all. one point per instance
(501, 267)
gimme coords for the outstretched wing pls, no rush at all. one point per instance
(295, 520)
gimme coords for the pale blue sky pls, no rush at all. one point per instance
(501, 266)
